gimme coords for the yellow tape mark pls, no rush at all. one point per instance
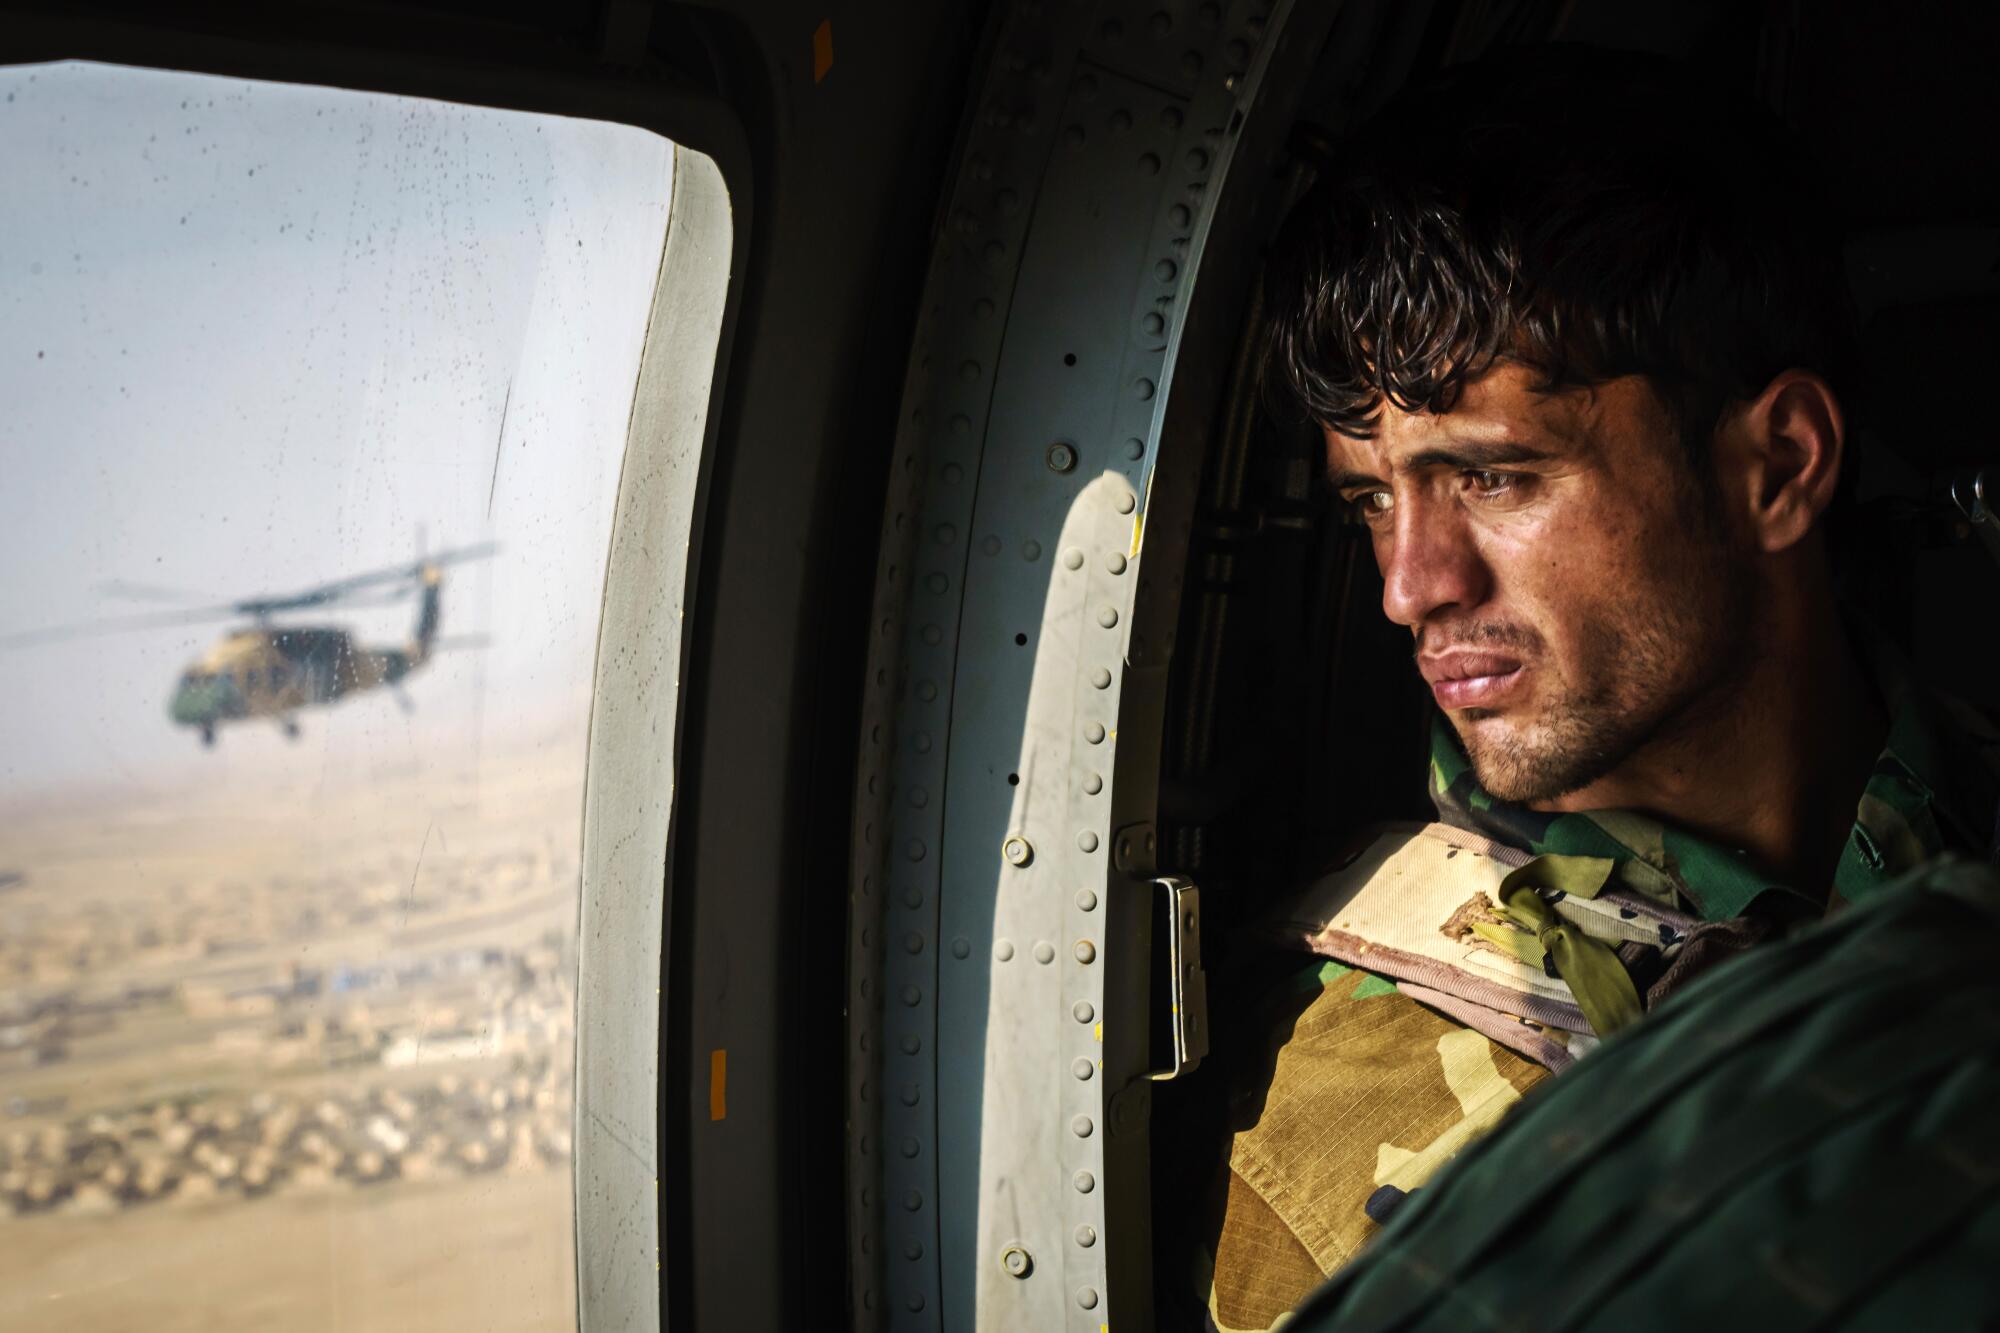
(1138, 529)
(718, 1085)
(1099, 1031)
(822, 49)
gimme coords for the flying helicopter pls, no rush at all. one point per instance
(272, 670)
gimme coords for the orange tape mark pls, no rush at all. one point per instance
(822, 49)
(718, 1084)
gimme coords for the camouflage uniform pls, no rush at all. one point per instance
(1358, 1093)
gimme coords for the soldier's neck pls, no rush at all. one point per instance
(1773, 768)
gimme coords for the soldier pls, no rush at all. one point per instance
(1575, 330)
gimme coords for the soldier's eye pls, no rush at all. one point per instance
(1495, 485)
(1369, 505)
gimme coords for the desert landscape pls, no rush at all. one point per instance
(292, 1047)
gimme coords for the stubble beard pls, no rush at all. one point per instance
(1640, 675)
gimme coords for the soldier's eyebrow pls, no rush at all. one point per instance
(1466, 455)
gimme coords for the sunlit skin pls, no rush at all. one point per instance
(1604, 631)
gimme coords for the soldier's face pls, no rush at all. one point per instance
(1551, 554)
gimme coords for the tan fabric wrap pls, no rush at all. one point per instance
(1387, 910)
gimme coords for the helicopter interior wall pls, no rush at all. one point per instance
(1281, 624)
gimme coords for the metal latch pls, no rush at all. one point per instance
(1186, 986)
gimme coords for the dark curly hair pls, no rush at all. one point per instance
(1588, 214)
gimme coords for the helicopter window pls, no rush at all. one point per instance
(313, 967)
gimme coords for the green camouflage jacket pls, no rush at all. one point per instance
(1354, 1090)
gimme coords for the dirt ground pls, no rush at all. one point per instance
(292, 1052)
(490, 1255)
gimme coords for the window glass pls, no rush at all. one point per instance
(287, 984)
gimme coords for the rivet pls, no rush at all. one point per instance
(982, 308)
(1142, 389)
(913, 1201)
(911, 1147)
(1007, 200)
(1072, 559)
(991, 546)
(911, 1096)
(1149, 163)
(1197, 160)
(1086, 1236)
(1083, 1013)
(1166, 270)
(910, 1044)
(961, 948)
(1086, 952)
(913, 897)
(1179, 216)
(1086, 86)
(927, 690)
(1135, 449)
(1121, 120)
(1154, 323)
(937, 583)
(921, 742)
(1238, 52)
(1108, 617)
(933, 635)
(1081, 1067)
(1125, 504)
(944, 534)
(1086, 899)
(915, 1303)
(994, 252)
(912, 996)
(1016, 1262)
(1062, 456)
(1112, 30)
(1018, 850)
(1084, 1182)
(1163, 23)
(919, 798)
(913, 1251)
(1191, 63)
(961, 424)
(1026, 122)
(1170, 118)
(863, 1092)
(1073, 136)
(1087, 1297)
(1081, 1127)
(1094, 733)
(1004, 950)
(1031, 550)
(915, 851)
(1101, 678)
(1087, 840)
(968, 371)
(867, 1296)
(1044, 952)
(913, 942)
(1114, 562)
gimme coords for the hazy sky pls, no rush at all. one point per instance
(256, 336)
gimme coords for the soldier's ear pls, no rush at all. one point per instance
(1783, 452)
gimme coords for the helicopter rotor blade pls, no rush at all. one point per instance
(89, 629)
(340, 590)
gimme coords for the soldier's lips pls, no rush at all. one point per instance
(1471, 680)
